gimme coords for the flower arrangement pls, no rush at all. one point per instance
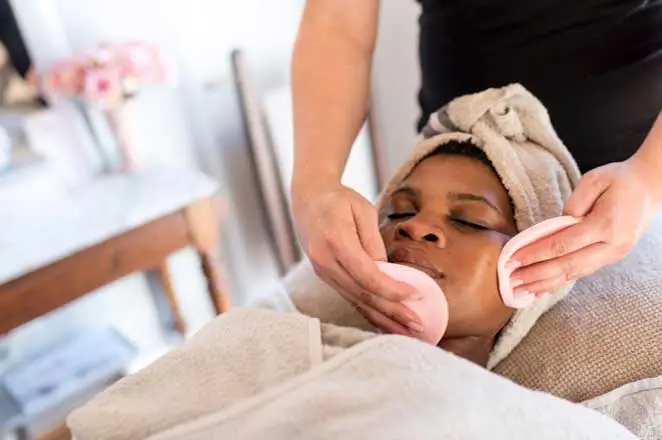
(109, 74)
(107, 77)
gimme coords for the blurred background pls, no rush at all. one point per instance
(145, 157)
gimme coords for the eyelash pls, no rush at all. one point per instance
(458, 221)
(400, 216)
(465, 223)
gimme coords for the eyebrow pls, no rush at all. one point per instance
(407, 190)
(470, 197)
(454, 196)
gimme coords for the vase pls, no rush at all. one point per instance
(106, 128)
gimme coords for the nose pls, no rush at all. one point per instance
(421, 231)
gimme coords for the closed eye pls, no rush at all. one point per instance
(400, 215)
(465, 223)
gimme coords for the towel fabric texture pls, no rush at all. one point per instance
(260, 374)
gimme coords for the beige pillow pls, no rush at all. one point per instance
(606, 333)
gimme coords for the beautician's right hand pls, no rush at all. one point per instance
(339, 232)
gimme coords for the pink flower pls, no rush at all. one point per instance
(103, 84)
(110, 73)
(66, 77)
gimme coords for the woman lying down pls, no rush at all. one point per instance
(489, 166)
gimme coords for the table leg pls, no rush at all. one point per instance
(160, 281)
(212, 271)
(204, 222)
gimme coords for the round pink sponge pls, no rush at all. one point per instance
(431, 307)
(524, 238)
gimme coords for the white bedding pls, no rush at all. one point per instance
(256, 374)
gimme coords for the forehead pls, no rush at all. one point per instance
(457, 172)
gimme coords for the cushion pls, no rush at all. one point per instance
(635, 406)
(606, 333)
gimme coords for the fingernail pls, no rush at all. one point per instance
(415, 327)
(512, 265)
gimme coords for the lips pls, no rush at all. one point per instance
(415, 258)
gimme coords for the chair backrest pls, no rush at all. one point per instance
(274, 199)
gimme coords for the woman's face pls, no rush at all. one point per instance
(450, 218)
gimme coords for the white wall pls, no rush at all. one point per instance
(204, 127)
(396, 79)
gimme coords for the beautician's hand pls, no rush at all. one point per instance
(339, 231)
(618, 202)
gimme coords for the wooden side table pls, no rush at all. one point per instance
(141, 219)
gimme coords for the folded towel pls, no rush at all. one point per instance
(514, 130)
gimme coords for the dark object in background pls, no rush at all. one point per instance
(12, 39)
(19, 60)
(595, 64)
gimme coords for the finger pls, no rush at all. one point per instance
(557, 245)
(373, 316)
(365, 272)
(368, 231)
(552, 275)
(588, 191)
(344, 251)
(543, 287)
(336, 276)
(344, 288)
(382, 322)
(397, 312)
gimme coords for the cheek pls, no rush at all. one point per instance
(386, 230)
(475, 261)
(471, 285)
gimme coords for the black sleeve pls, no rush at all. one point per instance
(11, 37)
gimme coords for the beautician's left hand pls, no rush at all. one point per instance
(618, 202)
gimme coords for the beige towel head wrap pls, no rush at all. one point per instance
(514, 130)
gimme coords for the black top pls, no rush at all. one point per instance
(595, 64)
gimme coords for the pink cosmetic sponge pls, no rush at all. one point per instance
(524, 238)
(431, 307)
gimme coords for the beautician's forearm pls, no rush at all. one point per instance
(331, 76)
(649, 156)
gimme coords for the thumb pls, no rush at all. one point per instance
(366, 221)
(588, 191)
